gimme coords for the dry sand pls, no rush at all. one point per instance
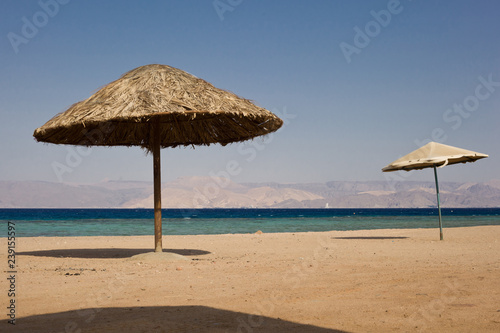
(351, 281)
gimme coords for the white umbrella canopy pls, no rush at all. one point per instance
(434, 155)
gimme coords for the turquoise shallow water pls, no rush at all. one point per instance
(128, 222)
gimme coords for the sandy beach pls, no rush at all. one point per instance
(403, 280)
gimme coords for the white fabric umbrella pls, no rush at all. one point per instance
(434, 155)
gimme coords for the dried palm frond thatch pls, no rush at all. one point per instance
(189, 110)
(158, 106)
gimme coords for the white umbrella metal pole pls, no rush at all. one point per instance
(439, 204)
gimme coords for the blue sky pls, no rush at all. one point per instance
(359, 83)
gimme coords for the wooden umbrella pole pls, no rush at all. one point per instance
(439, 204)
(157, 186)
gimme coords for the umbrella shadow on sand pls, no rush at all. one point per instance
(160, 319)
(373, 237)
(106, 253)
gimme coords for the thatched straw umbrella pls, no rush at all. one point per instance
(158, 106)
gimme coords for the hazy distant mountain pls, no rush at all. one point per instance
(33, 194)
(211, 192)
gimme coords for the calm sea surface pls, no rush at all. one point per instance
(128, 222)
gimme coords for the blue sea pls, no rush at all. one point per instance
(130, 222)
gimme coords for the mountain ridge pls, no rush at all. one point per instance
(217, 192)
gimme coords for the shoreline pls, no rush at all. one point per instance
(336, 281)
(267, 233)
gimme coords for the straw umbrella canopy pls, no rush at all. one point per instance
(158, 106)
(434, 155)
